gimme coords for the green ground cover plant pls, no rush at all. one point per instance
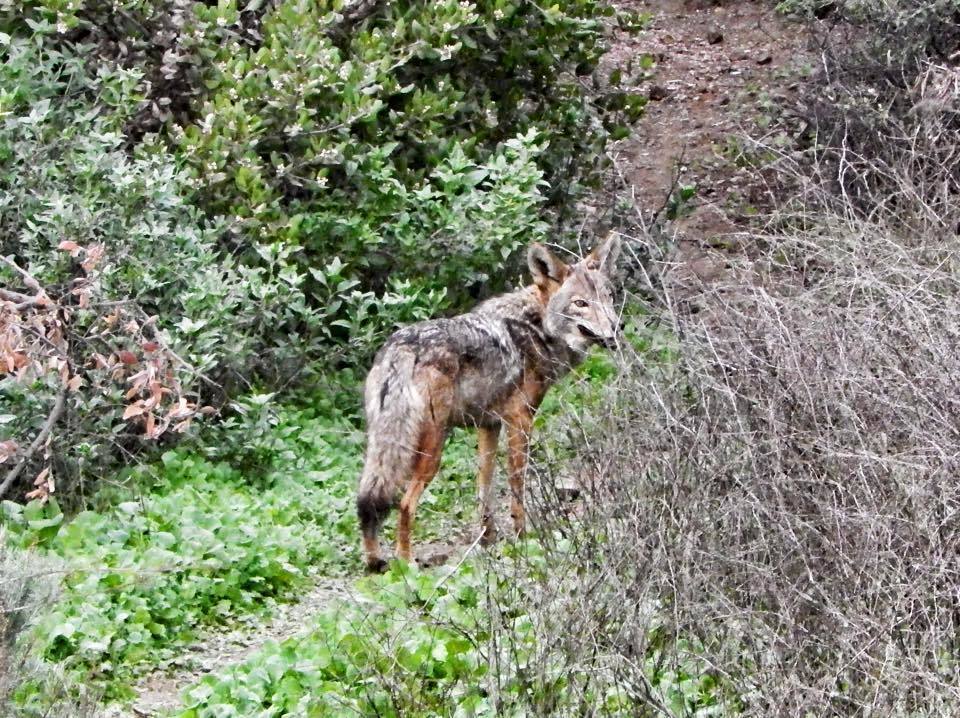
(203, 545)
(451, 641)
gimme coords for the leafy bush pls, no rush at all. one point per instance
(414, 142)
(119, 278)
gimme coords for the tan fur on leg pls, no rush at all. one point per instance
(487, 439)
(519, 425)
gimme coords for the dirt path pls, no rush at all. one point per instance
(159, 692)
(712, 59)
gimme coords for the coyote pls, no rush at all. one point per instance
(488, 367)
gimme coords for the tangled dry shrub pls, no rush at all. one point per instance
(28, 584)
(773, 522)
(775, 517)
(883, 104)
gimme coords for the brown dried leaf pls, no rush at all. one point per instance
(153, 430)
(183, 409)
(75, 381)
(72, 247)
(135, 409)
(94, 255)
(7, 449)
(127, 357)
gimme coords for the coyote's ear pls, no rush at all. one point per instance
(604, 255)
(544, 267)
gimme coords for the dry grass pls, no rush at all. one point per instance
(29, 583)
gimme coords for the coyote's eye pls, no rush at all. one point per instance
(580, 303)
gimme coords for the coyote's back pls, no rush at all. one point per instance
(485, 368)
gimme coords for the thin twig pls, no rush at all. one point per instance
(54, 416)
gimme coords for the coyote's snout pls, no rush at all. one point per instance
(486, 368)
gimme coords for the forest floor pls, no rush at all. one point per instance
(720, 70)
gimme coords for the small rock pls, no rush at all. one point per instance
(714, 36)
(765, 60)
(658, 92)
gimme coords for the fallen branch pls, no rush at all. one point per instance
(28, 279)
(24, 301)
(58, 408)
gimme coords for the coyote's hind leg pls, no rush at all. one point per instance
(425, 468)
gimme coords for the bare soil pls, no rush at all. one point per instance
(723, 69)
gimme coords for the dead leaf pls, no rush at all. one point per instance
(7, 449)
(75, 381)
(182, 410)
(153, 431)
(99, 361)
(127, 357)
(135, 409)
(72, 247)
(94, 255)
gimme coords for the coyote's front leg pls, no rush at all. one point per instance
(487, 439)
(519, 424)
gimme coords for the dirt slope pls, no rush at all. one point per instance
(722, 67)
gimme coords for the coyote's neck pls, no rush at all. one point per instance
(523, 313)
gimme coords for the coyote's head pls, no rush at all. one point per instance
(579, 304)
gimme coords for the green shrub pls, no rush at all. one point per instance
(118, 265)
(421, 141)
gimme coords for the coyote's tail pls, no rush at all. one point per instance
(394, 409)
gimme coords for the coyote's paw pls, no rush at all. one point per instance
(490, 534)
(376, 565)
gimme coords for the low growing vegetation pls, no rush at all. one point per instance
(203, 545)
